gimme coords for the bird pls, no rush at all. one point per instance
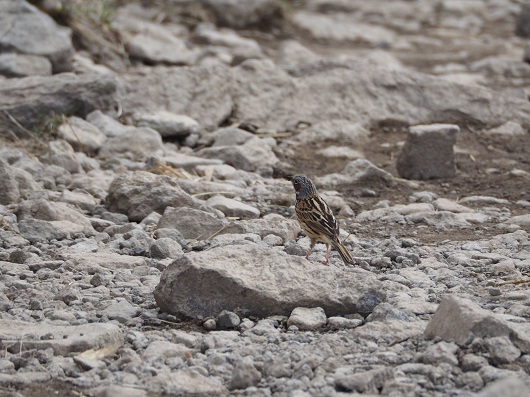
(316, 219)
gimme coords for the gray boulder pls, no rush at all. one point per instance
(253, 280)
(202, 93)
(45, 38)
(462, 321)
(192, 223)
(140, 193)
(37, 230)
(33, 99)
(135, 144)
(53, 211)
(428, 152)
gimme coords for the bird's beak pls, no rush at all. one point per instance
(288, 177)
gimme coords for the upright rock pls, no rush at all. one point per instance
(428, 152)
(9, 193)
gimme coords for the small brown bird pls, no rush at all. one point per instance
(316, 219)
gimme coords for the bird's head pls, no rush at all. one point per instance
(303, 186)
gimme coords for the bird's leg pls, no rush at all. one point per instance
(313, 242)
(327, 255)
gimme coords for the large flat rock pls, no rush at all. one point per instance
(358, 90)
(259, 281)
(63, 339)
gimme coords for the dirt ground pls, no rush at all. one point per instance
(483, 168)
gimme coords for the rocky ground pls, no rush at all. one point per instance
(147, 239)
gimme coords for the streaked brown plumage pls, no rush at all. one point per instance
(316, 218)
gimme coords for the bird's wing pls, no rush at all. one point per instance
(314, 212)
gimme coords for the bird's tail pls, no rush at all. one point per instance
(344, 253)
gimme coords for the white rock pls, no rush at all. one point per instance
(343, 323)
(341, 28)
(340, 152)
(231, 207)
(179, 160)
(442, 204)
(136, 144)
(483, 200)
(167, 124)
(82, 135)
(157, 44)
(62, 339)
(306, 318)
(510, 128)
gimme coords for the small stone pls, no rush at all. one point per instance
(386, 312)
(210, 324)
(228, 319)
(495, 291)
(233, 208)
(442, 352)
(165, 248)
(343, 323)
(121, 311)
(230, 136)
(246, 324)
(273, 240)
(118, 391)
(501, 350)
(307, 318)
(470, 381)
(510, 128)
(245, 374)
(293, 248)
(365, 382)
(168, 124)
(82, 135)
